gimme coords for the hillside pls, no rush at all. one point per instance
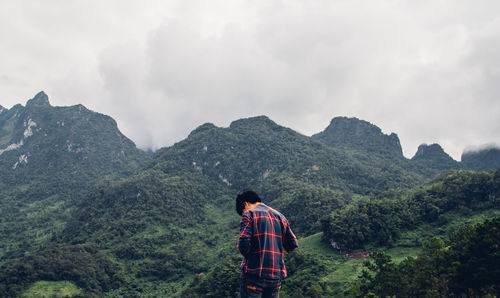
(92, 214)
(382, 219)
(257, 150)
(40, 141)
(368, 141)
(49, 157)
(433, 157)
(403, 226)
(482, 160)
(352, 133)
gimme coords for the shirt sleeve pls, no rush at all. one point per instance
(246, 232)
(290, 241)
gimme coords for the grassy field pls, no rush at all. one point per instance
(44, 289)
(341, 273)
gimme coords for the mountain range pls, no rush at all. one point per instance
(75, 188)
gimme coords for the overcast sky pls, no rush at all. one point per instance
(426, 70)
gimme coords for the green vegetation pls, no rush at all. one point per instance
(317, 270)
(482, 160)
(380, 220)
(47, 289)
(59, 154)
(87, 267)
(464, 265)
(434, 158)
(352, 133)
(256, 152)
(85, 213)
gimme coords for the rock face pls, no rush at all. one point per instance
(482, 160)
(433, 156)
(352, 133)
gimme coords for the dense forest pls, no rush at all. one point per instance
(380, 220)
(84, 213)
(465, 265)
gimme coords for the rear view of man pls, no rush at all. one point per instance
(265, 235)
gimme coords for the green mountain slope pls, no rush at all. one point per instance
(352, 133)
(256, 150)
(318, 270)
(381, 220)
(40, 141)
(167, 226)
(482, 160)
(434, 158)
(162, 229)
(49, 157)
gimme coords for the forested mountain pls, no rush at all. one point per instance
(433, 157)
(81, 204)
(380, 220)
(352, 133)
(256, 150)
(355, 135)
(49, 157)
(482, 160)
(43, 142)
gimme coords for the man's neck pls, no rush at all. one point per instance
(250, 206)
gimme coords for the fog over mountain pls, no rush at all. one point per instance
(426, 70)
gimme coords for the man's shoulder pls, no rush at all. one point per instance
(266, 209)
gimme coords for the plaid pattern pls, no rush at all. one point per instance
(265, 234)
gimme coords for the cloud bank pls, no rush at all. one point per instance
(426, 70)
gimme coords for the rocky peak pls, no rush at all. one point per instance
(202, 128)
(433, 156)
(258, 122)
(361, 135)
(41, 99)
(54, 137)
(426, 151)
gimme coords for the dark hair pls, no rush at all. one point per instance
(246, 196)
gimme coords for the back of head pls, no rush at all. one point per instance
(249, 196)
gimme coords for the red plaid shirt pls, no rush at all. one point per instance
(265, 234)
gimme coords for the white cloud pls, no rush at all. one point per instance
(427, 70)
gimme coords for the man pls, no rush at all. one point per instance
(265, 235)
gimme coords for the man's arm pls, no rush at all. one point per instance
(289, 241)
(246, 231)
